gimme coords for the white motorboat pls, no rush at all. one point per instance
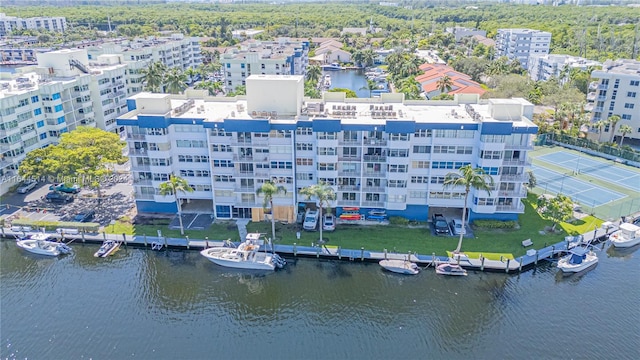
(451, 269)
(627, 236)
(326, 82)
(579, 258)
(109, 247)
(41, 245)
(400, 266)
(245, 256)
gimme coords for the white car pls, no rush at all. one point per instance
(329, 222)
(456, 227)
(310, 220)
(27, 186)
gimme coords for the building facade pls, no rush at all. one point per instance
(12, 23)
(386, 153)
(520, 44)
(544, 67)
(281, 57)
(616, 92)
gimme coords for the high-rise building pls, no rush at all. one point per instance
(383, 153)
(12, 23)
(519, 44)
(544, 67)
(616, 92)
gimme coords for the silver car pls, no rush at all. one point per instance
(456, 227)
(27, 186)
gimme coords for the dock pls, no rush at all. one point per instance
(327, 252)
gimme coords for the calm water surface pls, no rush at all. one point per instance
(176, 305)
(349, 79)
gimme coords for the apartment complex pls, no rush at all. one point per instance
(384, 153)
(281, 57)
(174, 51)
(460, 32)
(616, 92)
(11, 23)
(544, 67)
(520, 44)
(64, 91)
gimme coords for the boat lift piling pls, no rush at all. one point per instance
(362, 254)
(481, 262)
(506, 269)
(339, 252)
(144, 236)
(385, 254)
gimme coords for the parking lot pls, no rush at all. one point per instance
(115, 200)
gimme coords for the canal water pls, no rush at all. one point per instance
(141, 304)
(349, 79)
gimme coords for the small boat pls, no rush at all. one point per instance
(245, 256)
(332, 66)
(579, 258)
(451, 269)
(379, 215)
(41, 245)
(627, 236)
(109, 247)
(400, 266)
(326, 82)
(350, 216)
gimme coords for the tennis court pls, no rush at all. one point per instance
(600, 169)
(580, 191)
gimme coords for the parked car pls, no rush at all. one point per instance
(65, 189)
(457, 228)
(58, 197)
(310, 220)
(440, 224)
(84, 217)
(27, 186)
(329, 222)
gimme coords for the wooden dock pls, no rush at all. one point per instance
(326, 252)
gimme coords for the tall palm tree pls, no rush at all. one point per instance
(314, 73)
(175, 81)
(600, 124)
(445, 84)
(269, 190)
(368, 57)
(175, 185)
(624, 130)
(214, 87)
(371, 85)
(613, 121)
(153, 76)
(468, 177)
(190, 73)
(323, 193)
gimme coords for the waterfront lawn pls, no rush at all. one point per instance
(220, 230)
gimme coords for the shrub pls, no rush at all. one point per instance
(495, 224)
(398, 220)
(53, 225)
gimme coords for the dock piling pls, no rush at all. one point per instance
(385, 254)
(83, 239)
(206, 242)
(362, 254)
(520, 267)
(536, 261)
(506, 270)
(433, 259)
(481, 262)
(317, 252)
(165, 242)
(339, 252)
(295, 250)
(187, 237)
(124, 236)
(144, 236)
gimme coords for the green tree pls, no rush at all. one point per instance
(350, 93)
(323, 194)
(213, 87)
(269, 190)
(314, 73)
(371, 85)
(469, 178)
(532, 182)
(153, 76)
(239, 90)
(557, 209)
(624, 130)
(175, 185)
(175, 81)
(613, 121)
(444, 84)
(85, 156)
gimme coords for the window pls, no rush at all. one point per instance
(223, 163)
(397, 198)
(629, 105)
(419, 164)
(37, 111)
(281, 165)
(327, 136)
(421, 149)
(304, 131)
(437, 179)
(326, 151)
(626, 116)
(304, 176)
(397, 183)
(631, 94)
(40, 123)
(327, 166)
(490, 170)
(397, 168)
(417, 194)
(34, 99)
(422, 133)
(493, 155)
(191, 143)
(348, 197)
(634, 82)
(398, 137)
(304, 162)
(419, 179)
(398, 152)
(221, 148)
(223, 178)
(304, 146)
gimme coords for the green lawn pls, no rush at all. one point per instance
(394, 238)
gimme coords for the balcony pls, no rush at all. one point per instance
(375, 204)
(380, 142)
(375, 189)
(514, 177)
(245, 189)
(243, 173)
(142, 182)
(375, 158)
(526, 162)
(510, 193)
(374, 173)
(350, 142)
(241, 142)
(349, 158)
(518, 146)
(144, 197)
(603, 86)
(247, 158)
(510, 208)
(348, 203)
(136, 167)
(138, 152)
(347, 188)
(136, 136)
(349, 173)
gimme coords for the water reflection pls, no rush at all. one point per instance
(623, 253)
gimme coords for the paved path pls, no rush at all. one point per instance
(242, 228)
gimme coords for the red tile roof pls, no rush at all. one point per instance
(461, 83)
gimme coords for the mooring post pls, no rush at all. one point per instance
(433, 259)
(520, 267)
(481, 262)
(553, 251)
(536, 261)
(144, 236)
(83, 239)
(385, 254)
(317, 251)
(567, 244)
(362, 254)
(339, 252)
(104, 236)
(295, 252)
(124, 236)
(187, 237)
(458, 259)
(206, 242)
(165, 242)
(409, 256)
(507, 268)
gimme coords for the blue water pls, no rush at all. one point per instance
(349, 79)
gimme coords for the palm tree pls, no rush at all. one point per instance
(624, 129)
(468, 177)
(191, 73)
(314, 72)
(368, 57)
(445, 84)
(214, 87)
(173, 186)
(323, 193)
(371, 85)
(613, 121)
(600, 124)
(153, 76)
(176, 81)
(268, 190)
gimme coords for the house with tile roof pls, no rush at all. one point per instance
(460, 83)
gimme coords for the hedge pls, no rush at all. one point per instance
(495, 224)
(53, 225)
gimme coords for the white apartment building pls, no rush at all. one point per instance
(64, 91)
(11, 23)
(544, 67)
(281, 57)
(520, 44)
(173, 51)
(616, 92)
(460, 32)
(384, 153)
